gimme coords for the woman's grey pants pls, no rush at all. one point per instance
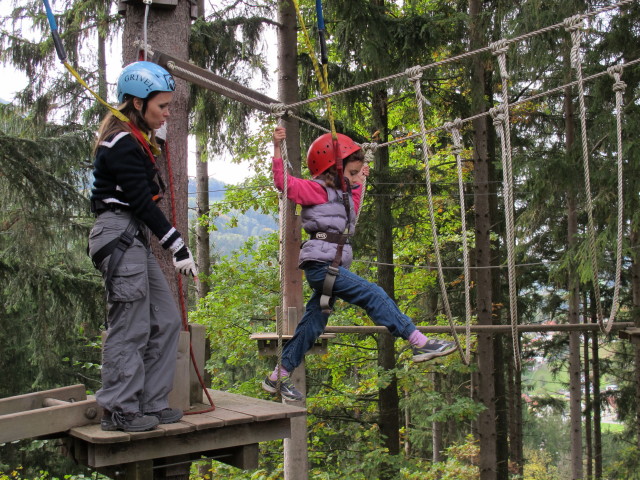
(140, 351)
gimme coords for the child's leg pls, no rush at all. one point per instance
(307, 331)
(378, 305)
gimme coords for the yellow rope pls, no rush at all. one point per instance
(116, 113)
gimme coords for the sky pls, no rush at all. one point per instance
(220, 168)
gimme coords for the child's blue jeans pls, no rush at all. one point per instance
(350, 288)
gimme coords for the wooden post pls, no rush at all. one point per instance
(198, 343)
(295, 448)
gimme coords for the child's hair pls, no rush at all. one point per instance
(112, 125)
(330, 175)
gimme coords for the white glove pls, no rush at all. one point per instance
(184, 263)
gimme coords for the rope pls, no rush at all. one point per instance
(183, 307)
(501, 121)
(369, 150)
(456, 58)
(147, 4)
(415, 78)
(574, 26)
(284, 215)
(618, 87)
(454, 129)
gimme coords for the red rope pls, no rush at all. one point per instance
(183, 307)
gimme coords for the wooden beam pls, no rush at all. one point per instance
(31, 401)
(268, 343)
(48, 420)
(103, 455)
(207, 79)
(564, 327)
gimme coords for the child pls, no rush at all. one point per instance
(326, 215)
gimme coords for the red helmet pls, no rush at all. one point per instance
(320, 155)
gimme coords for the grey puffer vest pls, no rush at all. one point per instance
(327, 217)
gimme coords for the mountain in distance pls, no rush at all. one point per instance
(226, 239)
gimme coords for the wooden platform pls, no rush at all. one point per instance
(268, 343)
(632, 334)
(231, 432)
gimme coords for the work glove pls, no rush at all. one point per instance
(184, 263)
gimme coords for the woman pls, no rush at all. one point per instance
(143, 322)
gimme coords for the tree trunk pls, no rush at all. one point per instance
(388, 400)
(575, 394)
(436, 433)
(296, 462)
(597, 417)
(167, 31)
(203, 248)
(485, 393)
(635, 289)
(587, 396)
(515, 417)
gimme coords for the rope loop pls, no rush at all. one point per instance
(499, 47)
(498, 114)
(454, 129)
(615, 72)
(278, 109)
(414, 74)
(369, 147)
(574, 23)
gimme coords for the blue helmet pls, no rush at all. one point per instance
(139, 79)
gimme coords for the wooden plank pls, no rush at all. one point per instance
(202, 421)
(274, 336)
(198, 344)
(103, 455)
(261, 410)
(95, 434)
(229, 417)
(31, 401)
(178, 428)
(47, 421)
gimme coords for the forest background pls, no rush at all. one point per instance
(51, 308)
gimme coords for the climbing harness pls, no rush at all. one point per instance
(115, 248)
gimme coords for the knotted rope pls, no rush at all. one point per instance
(574, 26)
(618, 87)
(415, 78)
(500, 116)
(454, 129)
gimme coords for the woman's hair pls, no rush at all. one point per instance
(330, 175)
(112, 125)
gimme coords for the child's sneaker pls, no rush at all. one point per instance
(433, 349)
(287, 390)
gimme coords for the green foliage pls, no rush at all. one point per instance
(51, 299)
